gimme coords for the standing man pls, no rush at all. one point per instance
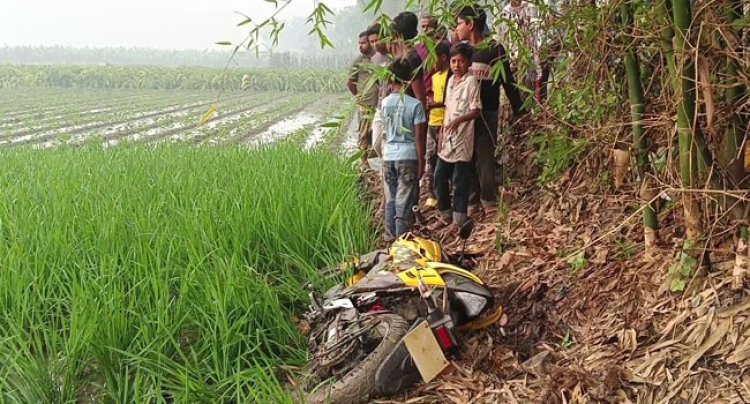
(488, 55)
(380, 48)
(552, 41)
(520, 19)
(404, 29)
(366, 96)
(432, 30)
(381, 58)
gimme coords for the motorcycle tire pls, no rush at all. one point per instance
(398, 372)
(358, 384)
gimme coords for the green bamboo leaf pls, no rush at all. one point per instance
(355, 157)
(374, 5)
(224, 43)
(325, 8)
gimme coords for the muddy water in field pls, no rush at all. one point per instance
(316, 137)
(13, 124)
(80, 132)
(285, 127)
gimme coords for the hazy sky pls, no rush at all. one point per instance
(166, 24)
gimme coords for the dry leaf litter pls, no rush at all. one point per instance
(605, 330)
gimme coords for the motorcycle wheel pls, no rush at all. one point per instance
(397, 373)
(357, 384)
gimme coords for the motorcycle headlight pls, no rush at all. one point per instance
(473, 304)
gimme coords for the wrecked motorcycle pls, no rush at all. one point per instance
(357, 346)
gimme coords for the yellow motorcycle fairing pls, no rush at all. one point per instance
(352, 280)
(431, 274)
(412, 248)
(483, 322)
(444, 268)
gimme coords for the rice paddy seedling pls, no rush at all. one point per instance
(172, 78)
(164, 274)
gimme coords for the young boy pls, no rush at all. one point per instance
(403, 150)
(456, 146)
(470, 26)
(437, 112)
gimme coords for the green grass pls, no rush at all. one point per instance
(166, 274)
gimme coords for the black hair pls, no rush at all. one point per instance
(433, 20)
(441, 48)
(405, 25)
(462, 49)
(374, 29)
(401, 70)
(475, 15)
(364, 34)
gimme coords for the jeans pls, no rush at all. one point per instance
(401, 187)
(459, 171)
(482, 184)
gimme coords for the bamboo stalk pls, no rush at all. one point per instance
(733, 151)
(733, 155)
(685, 117)
(637, 107)
(666, 43)
(679, 74)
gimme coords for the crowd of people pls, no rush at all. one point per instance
(434, 119)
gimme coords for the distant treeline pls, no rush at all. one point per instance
(172, 78)
(51, 55)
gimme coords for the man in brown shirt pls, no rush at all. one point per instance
(366, 93)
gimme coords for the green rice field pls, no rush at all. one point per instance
(48, 118)
(145, 257)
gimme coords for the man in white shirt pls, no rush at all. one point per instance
(519, 31)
